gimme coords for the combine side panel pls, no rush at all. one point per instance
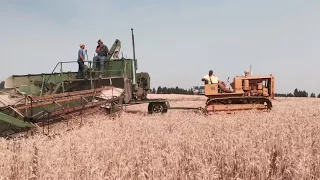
(13, 121)
(10, 125)
(32, 84)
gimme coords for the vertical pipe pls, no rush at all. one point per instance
(41, 92)
(48, 122)
(30, 91)
(124, 69)
(134, 58)
(31, 111)
(250, 70)
(61, 77)
(133, 48)
(91, 74)
(81, 111)
(43, 122)
(26, 109)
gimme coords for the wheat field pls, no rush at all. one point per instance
(280, 144)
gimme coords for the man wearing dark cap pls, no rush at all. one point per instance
(102, 51)
(210, 78)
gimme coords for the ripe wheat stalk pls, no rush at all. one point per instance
(281, 144)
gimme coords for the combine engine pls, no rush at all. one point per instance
(246, 92)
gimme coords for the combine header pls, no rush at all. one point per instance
(33, 100)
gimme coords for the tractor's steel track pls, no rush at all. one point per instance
(237, 104)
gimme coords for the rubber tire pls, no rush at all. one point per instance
(152, 104)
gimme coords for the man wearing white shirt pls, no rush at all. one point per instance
(210, 78)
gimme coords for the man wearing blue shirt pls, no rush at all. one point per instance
(81, 60)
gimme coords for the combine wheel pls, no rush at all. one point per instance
(157, 108)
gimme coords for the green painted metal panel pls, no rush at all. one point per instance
(13, 121)
(32, 84)
(41, 84)
(121, 68)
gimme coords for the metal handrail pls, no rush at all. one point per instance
(61, 72)
(62, 62)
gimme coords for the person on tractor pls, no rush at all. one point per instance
(210, 78)
(213, 79)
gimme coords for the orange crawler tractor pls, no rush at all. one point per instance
(246, 92)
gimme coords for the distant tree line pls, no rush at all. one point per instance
(298, 93)
(177, 90)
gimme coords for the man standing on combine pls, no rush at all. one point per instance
(102, 51)
(81, 59)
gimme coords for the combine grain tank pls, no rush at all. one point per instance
(246, 92)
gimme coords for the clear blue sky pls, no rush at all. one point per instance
(177, 42)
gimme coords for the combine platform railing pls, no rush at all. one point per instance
(120, 71)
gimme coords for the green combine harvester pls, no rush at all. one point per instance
(35, 100)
